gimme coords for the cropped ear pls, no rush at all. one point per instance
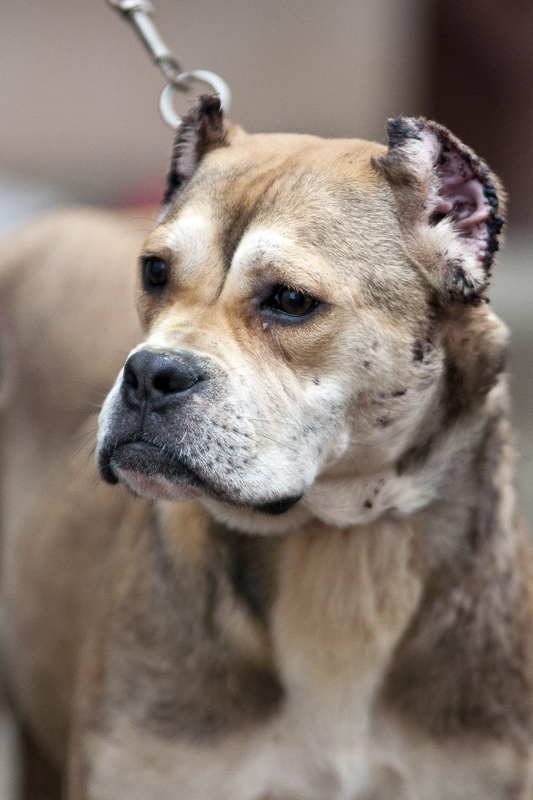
(448, 205)
(201, 131)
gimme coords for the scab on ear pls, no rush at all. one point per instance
(448, 205)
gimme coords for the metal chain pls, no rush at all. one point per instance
(139, 12)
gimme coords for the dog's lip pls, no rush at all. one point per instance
(157, 487)
(146, 458)
(140, 465)
(277, 507)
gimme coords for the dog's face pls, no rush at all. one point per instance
(299, 299)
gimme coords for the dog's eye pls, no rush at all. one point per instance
(291, 302)
(155, 273)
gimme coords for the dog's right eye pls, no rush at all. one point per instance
(290, 302)
(155, 273)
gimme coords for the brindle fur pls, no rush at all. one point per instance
(375, 640)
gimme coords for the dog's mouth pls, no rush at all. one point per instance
(149, 470)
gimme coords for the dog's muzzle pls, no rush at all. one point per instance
(163, 430)
(153, 393)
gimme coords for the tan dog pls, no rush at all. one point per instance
(342, 608)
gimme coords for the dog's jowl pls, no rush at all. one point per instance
(313, 582)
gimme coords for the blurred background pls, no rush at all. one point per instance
(79, 119)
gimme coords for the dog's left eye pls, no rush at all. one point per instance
(155, 273)
(291, 302)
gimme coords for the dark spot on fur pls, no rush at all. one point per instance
(456, 395)
(367, 504)
(398, 131)
(316, 381)
(463, 287)
(414, 457)
(399, 393)
(367, 364)
(418, 351)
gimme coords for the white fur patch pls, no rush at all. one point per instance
(191, 236)
(264, 242)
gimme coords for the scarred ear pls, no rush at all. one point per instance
(201, 131)
(448, 205)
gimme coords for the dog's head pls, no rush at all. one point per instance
(315, 323)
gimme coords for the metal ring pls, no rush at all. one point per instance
(215, 82)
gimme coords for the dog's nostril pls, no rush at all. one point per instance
(162, 384)
(174, 381)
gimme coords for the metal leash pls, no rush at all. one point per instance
(139, 12)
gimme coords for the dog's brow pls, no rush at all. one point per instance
(261, 241)
(191, 238)
(189, 233)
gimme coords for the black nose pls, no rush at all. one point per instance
(158, 378)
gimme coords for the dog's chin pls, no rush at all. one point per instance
(270, 518)
(156, 487)
(140, 466)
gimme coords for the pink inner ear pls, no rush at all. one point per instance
(461, 197)
(445, 185)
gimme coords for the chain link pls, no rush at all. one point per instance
(139, 14)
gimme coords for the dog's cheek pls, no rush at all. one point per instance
(297, 423)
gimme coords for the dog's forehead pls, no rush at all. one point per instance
(295, 183)
(287, 199)
(283, 174)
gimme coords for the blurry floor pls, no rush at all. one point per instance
(511, 297)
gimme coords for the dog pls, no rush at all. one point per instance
(304, 575)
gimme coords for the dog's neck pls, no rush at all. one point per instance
(440, 481)
(446, 471)
(457, 489)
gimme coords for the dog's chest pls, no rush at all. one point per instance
(343, 600)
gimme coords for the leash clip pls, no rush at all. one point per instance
(139, 14)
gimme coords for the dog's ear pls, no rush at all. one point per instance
(201, 131)
(448, 205)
